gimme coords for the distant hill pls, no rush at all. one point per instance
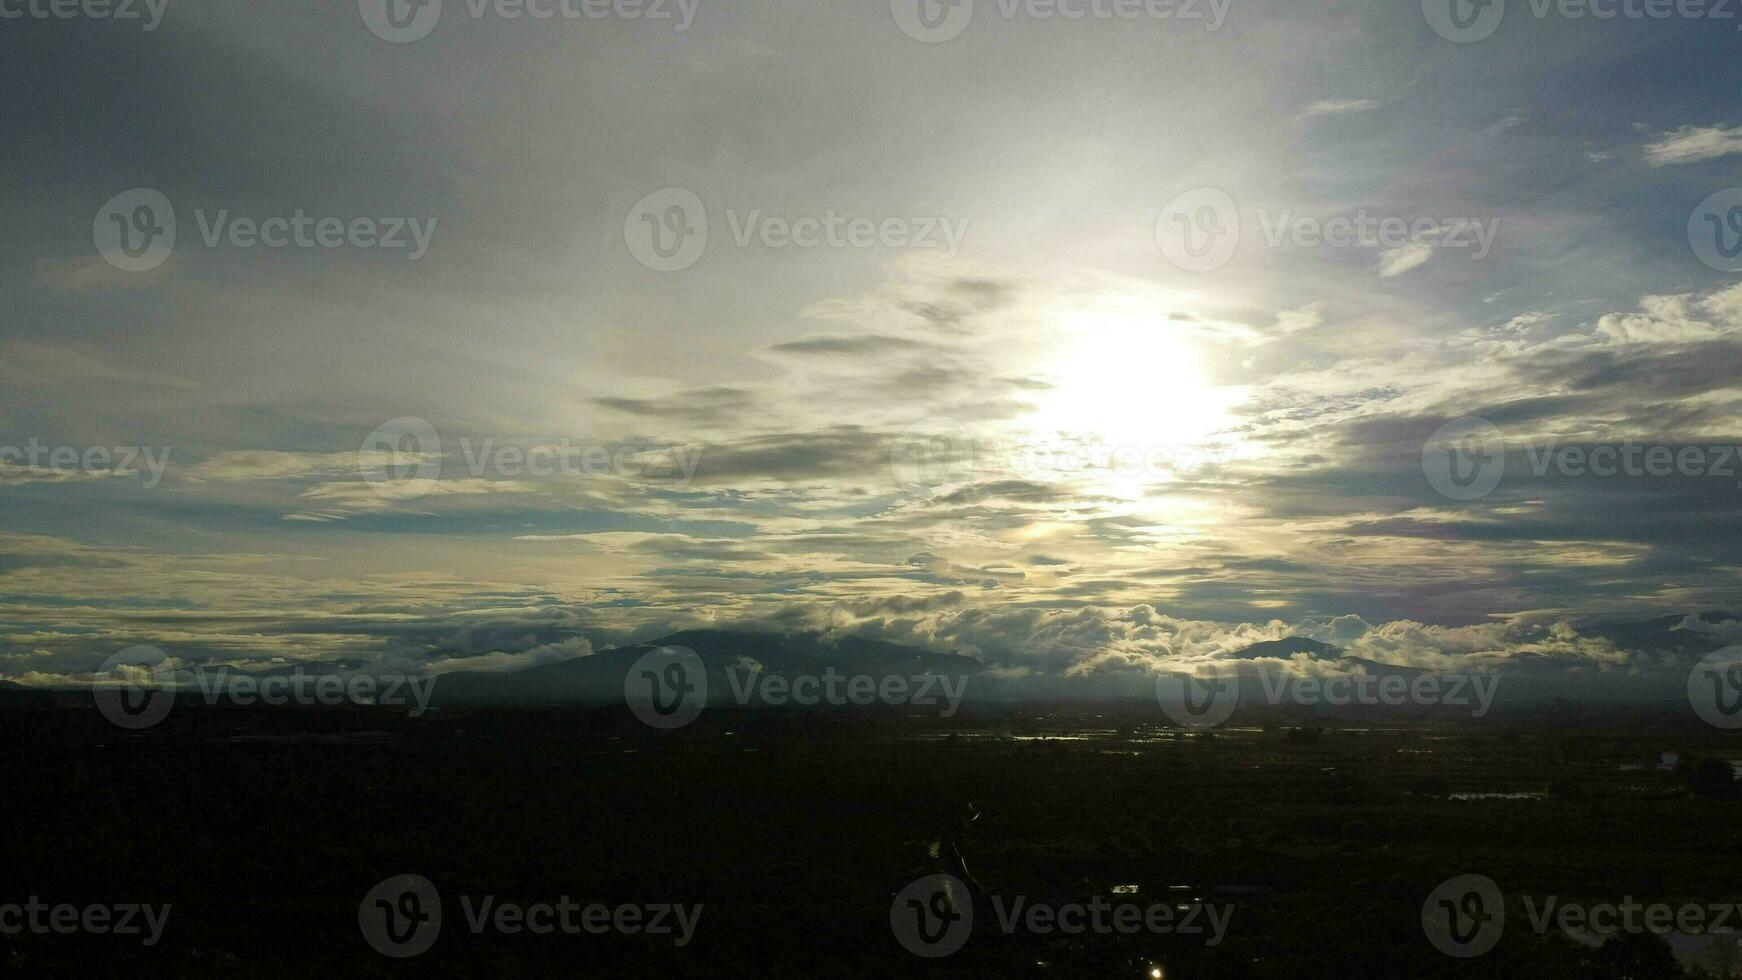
(1288, 648)
(1660, 652)
(22, 694)
(599, 678)
(1663, 635)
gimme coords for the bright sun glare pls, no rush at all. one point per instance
(1132, 379)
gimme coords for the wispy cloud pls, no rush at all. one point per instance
(1691, 144)
(1338, 107)
(1397, 261)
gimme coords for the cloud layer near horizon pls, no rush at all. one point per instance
(1055, 450)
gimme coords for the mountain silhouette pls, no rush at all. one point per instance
(599, 678)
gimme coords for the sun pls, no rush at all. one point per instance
(1133, 379)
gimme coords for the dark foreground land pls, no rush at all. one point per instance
(265, 829)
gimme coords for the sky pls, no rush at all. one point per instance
(1071, 343)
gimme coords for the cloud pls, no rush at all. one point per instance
(1677, 319)
(502, 662)
(1397, 261)
(91, 273)
(339, 501)
(1337, 107)
(1691, 144)
(695, 405)
(858, 345)
(268, 465)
